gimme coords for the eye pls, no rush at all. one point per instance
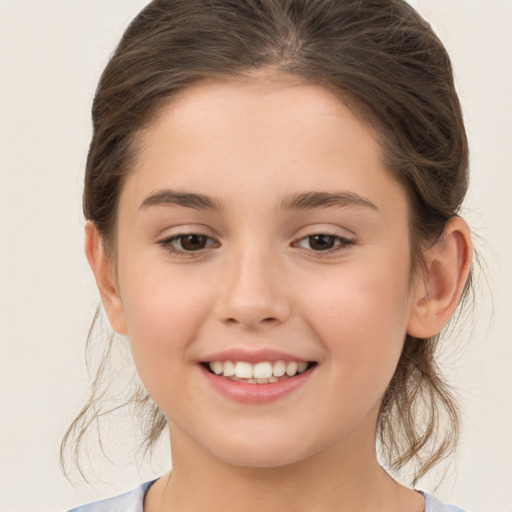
(191, 242)
(322, 242)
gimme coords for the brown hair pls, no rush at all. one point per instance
(385, 62)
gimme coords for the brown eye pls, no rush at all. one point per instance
(189, 243)
(192, 242)
(322, 242)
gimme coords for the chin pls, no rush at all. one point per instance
(260, 452)
(259, 459)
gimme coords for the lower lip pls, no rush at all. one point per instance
(256, 393)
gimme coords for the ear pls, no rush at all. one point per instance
(437, 295)
(105, 278)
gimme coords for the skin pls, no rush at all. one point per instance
(251, 146)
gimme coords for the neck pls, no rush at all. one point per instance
(340, 479)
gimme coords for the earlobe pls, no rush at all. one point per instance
(105, 279)
(447, 268)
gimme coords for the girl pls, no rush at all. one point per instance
(272, 194)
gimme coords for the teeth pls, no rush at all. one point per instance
(262, 370)
(279, 369)
(243, 370)
(291, 369)
(216, 367)
(259, 373)
(229, 368)
(301, 368)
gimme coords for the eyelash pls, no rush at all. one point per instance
(341, 244)
(168, 244)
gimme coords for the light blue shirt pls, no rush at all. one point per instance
(133, 502)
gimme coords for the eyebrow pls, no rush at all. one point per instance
(311, 200)
(188, 200)
(303, 201)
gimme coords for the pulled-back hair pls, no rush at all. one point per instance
(386, 64)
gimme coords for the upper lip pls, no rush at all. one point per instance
(252, 356)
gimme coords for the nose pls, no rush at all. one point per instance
(253, 292)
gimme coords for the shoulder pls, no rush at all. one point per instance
(131, 501)
(432, 504)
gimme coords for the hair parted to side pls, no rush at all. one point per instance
(385, 62)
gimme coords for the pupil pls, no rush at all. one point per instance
(193, 242)
(321, 242)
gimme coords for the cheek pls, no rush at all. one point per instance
(163, 310)
(361, 315)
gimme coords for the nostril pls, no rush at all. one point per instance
(251, 322)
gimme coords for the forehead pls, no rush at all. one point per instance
(264, 87)
(261, 96)
(273, 132)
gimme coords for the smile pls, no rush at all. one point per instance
(263, 372)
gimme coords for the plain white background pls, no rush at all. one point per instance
(51, 55)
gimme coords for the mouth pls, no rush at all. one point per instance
(262, 372)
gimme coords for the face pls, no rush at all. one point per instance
(259, 234)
